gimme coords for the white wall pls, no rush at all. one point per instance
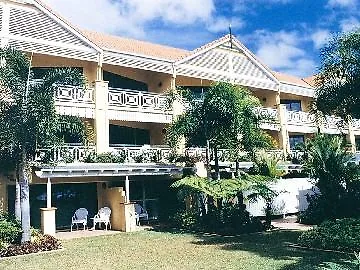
(291, 199)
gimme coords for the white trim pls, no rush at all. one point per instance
(47, 42)
(252, 57)
(223, 73)
(138, 55)
(202, 51)
(67, 26)
(5, 24)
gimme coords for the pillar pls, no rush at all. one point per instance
(48, 222)
(3, 195)
(351, 135)
(284, 134)
(178, 109)
(127, 189)
(101, 116)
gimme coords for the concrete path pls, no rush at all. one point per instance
(289, 223)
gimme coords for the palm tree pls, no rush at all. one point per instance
(29, 119)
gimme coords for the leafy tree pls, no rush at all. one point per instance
(29, 120)
(225, 118)
(338, 82)
(330, 167)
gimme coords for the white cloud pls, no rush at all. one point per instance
(349, 24)
(130, 17)
(221, 24)
(282, 51)
(342, 3)
(320, 37)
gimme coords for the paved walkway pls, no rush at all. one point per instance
(289, 223)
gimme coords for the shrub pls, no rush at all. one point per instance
(186, 219)
(46, 243)
(10, 229)
(105, 158)
(341, 235)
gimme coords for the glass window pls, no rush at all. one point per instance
(197, 91)
(292, 105)
(295, 140)
(118, 81)
(128, 135)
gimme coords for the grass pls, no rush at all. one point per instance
(166, 250)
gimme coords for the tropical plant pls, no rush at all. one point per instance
(29, 120)
(338, 81)
(225, 118)
(329, 166)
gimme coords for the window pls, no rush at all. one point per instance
(128, 135)
(117, 81)
(197, 91)
(292, 105)
(295, 140)
(39, 72)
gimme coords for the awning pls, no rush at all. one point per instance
(106, 169)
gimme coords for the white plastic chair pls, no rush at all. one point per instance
(79, 217)
(103, 216)
(140, 213)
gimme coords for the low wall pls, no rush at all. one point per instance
(291, 198)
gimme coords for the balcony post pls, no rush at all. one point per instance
(101, 116)
(284, 134)
(351, 134)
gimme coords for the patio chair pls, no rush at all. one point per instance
(140, 213)
(79, 217)
(103, 216)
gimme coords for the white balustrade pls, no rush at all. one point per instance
(67, 93)
(267, 114)
(142, 154)
(332, 122)
(138, 100)
(300, 118)
(67, 152)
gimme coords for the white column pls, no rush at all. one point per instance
(127, 189)
(5, 26)
(48, 193)
(101, 116)
(144, 194)
(352, 135)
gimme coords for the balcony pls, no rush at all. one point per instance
(77, 101)
(131, 105)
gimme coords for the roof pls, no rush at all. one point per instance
(132, 46)
(311, 80)
(285, 78)
(128, 45)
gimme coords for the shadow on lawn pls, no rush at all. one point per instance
(274, 245)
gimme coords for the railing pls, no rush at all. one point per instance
(67, 153)
(267, 114)
(137, 100)
(300, 118)
(332, 122)
(66, 93)
(143, 154)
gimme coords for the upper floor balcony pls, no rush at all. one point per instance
(122, 104)
(141, 106)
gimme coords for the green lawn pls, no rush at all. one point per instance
(163, 250)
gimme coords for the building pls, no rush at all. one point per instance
(124, 102)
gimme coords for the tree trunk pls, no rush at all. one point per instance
(217, 169)
(17, 200)
(208, 166)
(24, 200)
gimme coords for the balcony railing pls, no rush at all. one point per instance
(142, 154)
(73, 94)
(138, 100)
(67, 153)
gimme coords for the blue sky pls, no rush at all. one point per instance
(285, 34)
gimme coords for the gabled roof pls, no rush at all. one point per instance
(40, 4)
(133, 46)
